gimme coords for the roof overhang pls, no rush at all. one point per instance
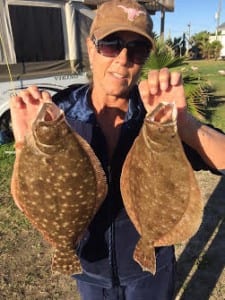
(151, 5)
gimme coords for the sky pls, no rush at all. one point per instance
(190, 17)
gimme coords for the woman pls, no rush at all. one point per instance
(109, 113)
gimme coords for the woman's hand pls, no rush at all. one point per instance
(163, 85)
(24, 109)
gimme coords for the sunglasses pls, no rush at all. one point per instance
(137, 50)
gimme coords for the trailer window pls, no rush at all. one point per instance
(37, 33)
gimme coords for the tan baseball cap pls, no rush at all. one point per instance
(121, 15)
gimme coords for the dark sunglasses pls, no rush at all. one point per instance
(137, 50)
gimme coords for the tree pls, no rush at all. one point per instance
(201, 40)
(197, 91)
(178, 45)
(207, 49)
(216, 47)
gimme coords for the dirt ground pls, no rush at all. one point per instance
(201, 261)
(25, 260)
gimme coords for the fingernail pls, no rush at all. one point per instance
(163, 86)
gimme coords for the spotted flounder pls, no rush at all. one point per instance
(59, 184)
(159, 189)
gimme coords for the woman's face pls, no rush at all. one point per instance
(114, 76)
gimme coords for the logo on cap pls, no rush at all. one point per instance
(132, 13)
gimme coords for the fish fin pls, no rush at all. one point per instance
(101, 181)
(144, 255)
(190, 221)
(129, 200)
(66, 262)
(15, 183)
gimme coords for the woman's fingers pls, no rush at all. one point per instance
(24, 109)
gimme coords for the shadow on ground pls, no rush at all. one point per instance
(201, 264)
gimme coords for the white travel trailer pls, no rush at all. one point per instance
(42, 42)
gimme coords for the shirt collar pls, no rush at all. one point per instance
(83, 111)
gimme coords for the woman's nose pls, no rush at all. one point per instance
(122, 57)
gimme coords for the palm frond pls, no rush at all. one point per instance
(162, 56)
(197, 91)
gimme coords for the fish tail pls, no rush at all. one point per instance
(66, 262)
(144, 255)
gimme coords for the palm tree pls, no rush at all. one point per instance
(197, 91)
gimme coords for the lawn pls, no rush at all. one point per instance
(209, 70)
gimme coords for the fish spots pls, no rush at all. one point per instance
(68, 193)
(164, 201)
(65, 224)
(45, 221)
(79, 191)
(60, 187)
(83, 203)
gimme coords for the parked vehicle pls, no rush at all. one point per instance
(41, 43)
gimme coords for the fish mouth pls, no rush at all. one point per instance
(49, 129)
(164, 113)
(49, 112)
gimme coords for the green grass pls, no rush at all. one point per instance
(10, 216)
(6, 161)
(209, 70)
(218, 117)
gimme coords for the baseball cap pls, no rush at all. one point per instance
(121, 15)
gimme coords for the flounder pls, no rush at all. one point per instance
(159, 189)
(59, 184)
